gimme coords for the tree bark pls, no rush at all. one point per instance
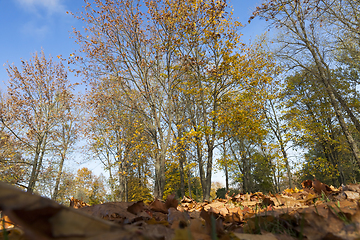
(58, 177)
(37, 164)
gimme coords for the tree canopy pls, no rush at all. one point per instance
(176, 94)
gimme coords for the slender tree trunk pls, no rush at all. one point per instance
(163, 144)
(159, 177)
(201, 165)
(347, 109)
(58, 177)
(286, 160)
(344, 127)
(336, 160)
(246, 179)
(126, 189)
(278, 134)
(324, 77)
(121, 158)
(182, 181)
(182, 160)
(37, 165)
(208, 174)
(31, 184)
(196, 189)
(189, 183)
(226, 169)
(226, 177)
(111, 177)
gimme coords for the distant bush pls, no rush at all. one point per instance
(220, 193)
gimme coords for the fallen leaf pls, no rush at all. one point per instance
(136, 207)
(5, 222)
(212, 223)
(306, 184)
(245, 236)
(352, 187)
(175, 215)
(12, 234)
(42, 218)
(234, 215)
(158, 206)
(267, 201)
(352, 195)
(76, 203)
(320, 187)
(115, 211)
(171, 202)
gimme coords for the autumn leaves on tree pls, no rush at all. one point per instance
(37, 113)
(179, 69)
(174, 94)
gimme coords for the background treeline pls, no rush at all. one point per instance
(174, 94)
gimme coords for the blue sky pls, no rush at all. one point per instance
(27, 26)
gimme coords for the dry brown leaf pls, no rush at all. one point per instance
(12, 234)
(320, 187)
(5, 222)
(136, 207)
(352, 195)
(175, 215)
(171, 202)
(76, 203)
(245, 236)
(158, 231)
(211, 222)
(306, 184)
(352, 187)
(42, 218)
(159, 216)
(249, 203)
(115, 211)
(158, 206)
(217, 207)
(347, 207)
(285, 237)
(196, 231)
(234, 215)
(187, 200)
(331, 221)
(194, 215)
(267, 201)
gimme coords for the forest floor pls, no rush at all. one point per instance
(315, 212)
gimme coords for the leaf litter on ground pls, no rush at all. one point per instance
(315, 212)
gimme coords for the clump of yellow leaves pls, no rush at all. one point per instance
(291, 190)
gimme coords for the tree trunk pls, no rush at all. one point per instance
(324, 77)
(189, 184)
(58, 177)
(30, 187)
(126, 189)
(226, 178)
(121, 160)
(159, 177)
(182, 160)
(343, 125)
(208, 175)
(278, 134)
(286, 164)
(226, 169)
(37, 164)
(201, 165)
(347, 109)
(182, 182)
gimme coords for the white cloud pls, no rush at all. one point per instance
(30, 29)
(50, 6)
